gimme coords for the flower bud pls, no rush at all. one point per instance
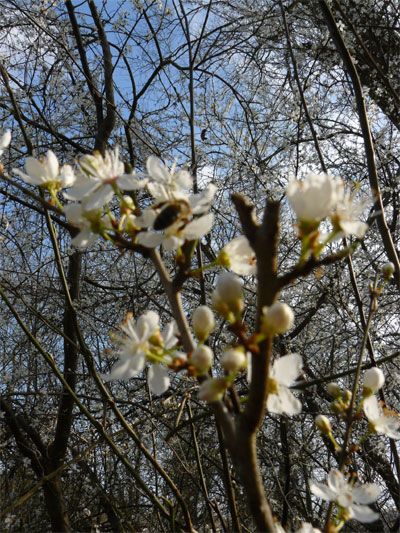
(374, 380)
(388, 270)
(233, 360)
(203, 322)
(227, 297)
(334, 390)
(202, 358)
(323, 424)
(127, 205)
(212, 389)
(277, 319)
(229, 287)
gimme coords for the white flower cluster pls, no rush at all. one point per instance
(320, 196)
(353, 500)
(175, 216)
(143, 341)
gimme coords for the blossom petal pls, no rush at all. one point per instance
(35, 170)
(99, 198)
(156, 169)
(371, 408)
(337, 481)
(367, 493)
(158, 379)
(84, 239)
(286, 369)
(52, 165)
(199, 227)
(128, 182)
(150, 239)
(364, 514)
(283, 403)
(125, 369)
(322, 491)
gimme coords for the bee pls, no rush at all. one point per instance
(170, 213)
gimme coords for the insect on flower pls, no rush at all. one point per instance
(170, 213)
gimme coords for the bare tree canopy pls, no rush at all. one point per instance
(199, 269)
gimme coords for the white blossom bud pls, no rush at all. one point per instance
(323, 424)
(202, 358)
(227, 298)
(203, 322)
(229, 287)
(233, 360)
(388, 270)
(212, 389)
(374, 380)
(277, 319)
(334, 390)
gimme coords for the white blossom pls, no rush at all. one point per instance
(88, 222)
(98, 177)
(238, 256)
(284, 372)
(134, 345)
(47, 173)
(313, 198)
(141, 341)
(166, 185)
(352, 498)
(382, 421)
(347, 213)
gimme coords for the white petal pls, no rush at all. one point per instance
(355, 227)
(183, 179)
(172, 243)
(169, 336)
(147, 324)
(68, 177)
(367, 493)
(286, 369)
(158, 192)
(156, 169)
(99, 198)
(5, 139)
(73, 212)
(322, 491)
(364, 514)
(125, 369)
(337, 481)
(147, 218)
(35, 170)
(158, 379)
(371, 408)
(199, 227)
(81, 190)
(129, 182)
(28, 179)
(84, 239)
(52, 164)
(283, 403)
(150, 239)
